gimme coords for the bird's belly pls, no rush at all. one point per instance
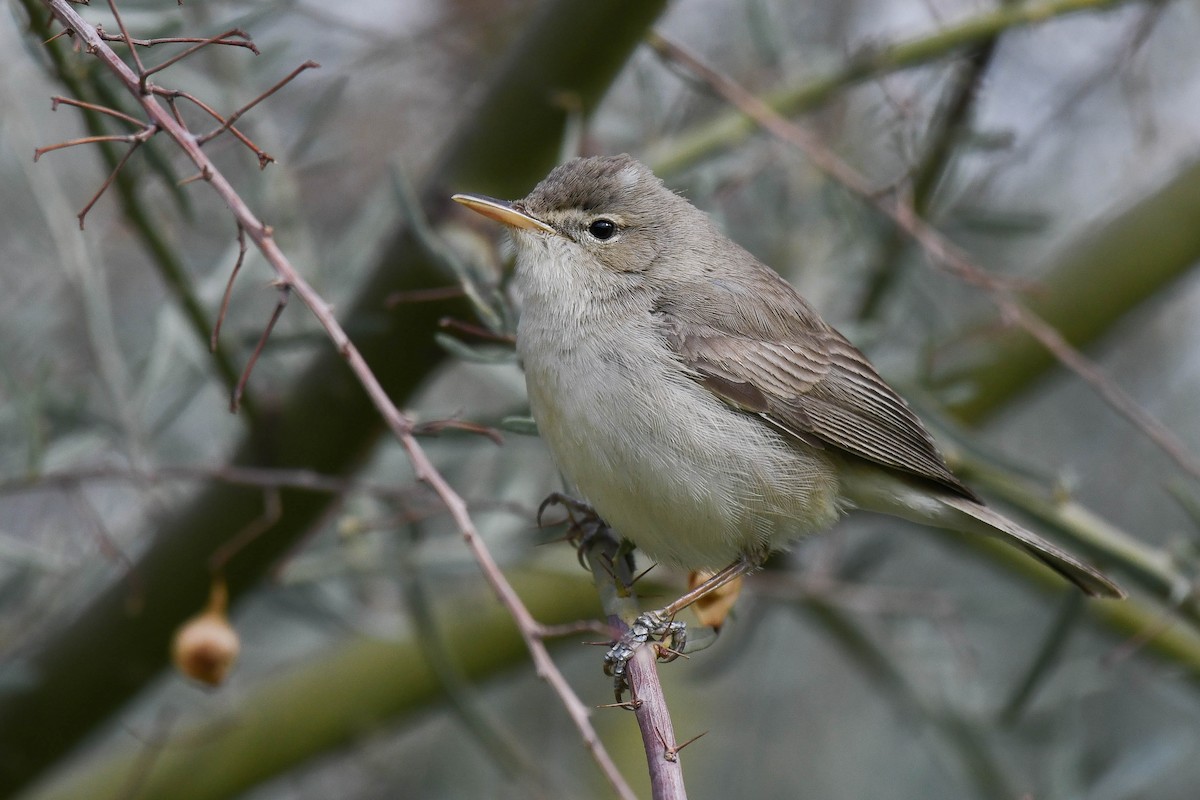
(691, 481)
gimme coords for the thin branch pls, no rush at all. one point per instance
(868, 61)
(171, 95)
(452, 324)
(531, 630)
(257, 477)
(1114, 395)
(137, 61)
(128, 138)
(223, 38)
(436, 426)
(161, 252)
(948, 127)
(58, 100)
(237, 114)
(399, 424)
(235, 398)
(137, 142)
(940, 251)
(201, 44)
(237, 267)
(272, 511)
(613, 576)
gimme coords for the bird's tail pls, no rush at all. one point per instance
(1088, 579)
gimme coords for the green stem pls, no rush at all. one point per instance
(679, 152)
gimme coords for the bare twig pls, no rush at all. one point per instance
(1114, 395)
(399, 424)
(272, 511)
(232, 118)
(138, 139)
(237, 267)
(939, 250)
(137, 61)
(870, 60)
(129, 138)
(452, 324)
(435, 426)
(58, 100)
(200, 44)
(110, 548)
(258, 477)
(235, 398)
(223, 38)
(171, 95)
(612, 575)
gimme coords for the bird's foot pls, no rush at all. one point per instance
(669, 638)
(584, 525)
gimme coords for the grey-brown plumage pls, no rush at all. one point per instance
(695, 398)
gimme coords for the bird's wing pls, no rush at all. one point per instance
(805, 379)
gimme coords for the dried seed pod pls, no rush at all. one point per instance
(206, 646)
(714, 607)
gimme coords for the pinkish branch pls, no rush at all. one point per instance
(223, 38)
(171, 95)
(399, 424)
(58, 100)
(237, 114)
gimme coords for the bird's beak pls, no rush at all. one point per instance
(502, 211)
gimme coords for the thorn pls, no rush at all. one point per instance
(628, 705)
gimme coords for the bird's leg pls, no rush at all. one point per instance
(661, 625)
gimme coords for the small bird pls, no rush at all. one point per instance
(696, 401)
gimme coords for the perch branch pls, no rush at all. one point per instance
(399, 424)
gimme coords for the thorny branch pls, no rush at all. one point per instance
(401, 426)
(171, 95)
(224, 38)
(144, 87)
(939, 250)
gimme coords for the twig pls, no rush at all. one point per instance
(200, 45)
(398, 423)
(162, 253)
(128, 138)
(171, 95)
(612, 574)
(272, 511)
(948, 127)
(452, 324)
(137, 61)
(236, 115)
(436, 426)
(867, 62)
(258, 477)
(138, 139)
(109, 547)
(58, 100)
(237, 267)
(235, 398)
(221, 39)
(939, 250)
(1114, 395)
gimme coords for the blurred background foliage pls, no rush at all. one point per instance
(1056, 142)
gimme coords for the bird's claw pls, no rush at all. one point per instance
(578, 512)
(670, 637)
(584, 525)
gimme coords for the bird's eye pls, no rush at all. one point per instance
(602, 229)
